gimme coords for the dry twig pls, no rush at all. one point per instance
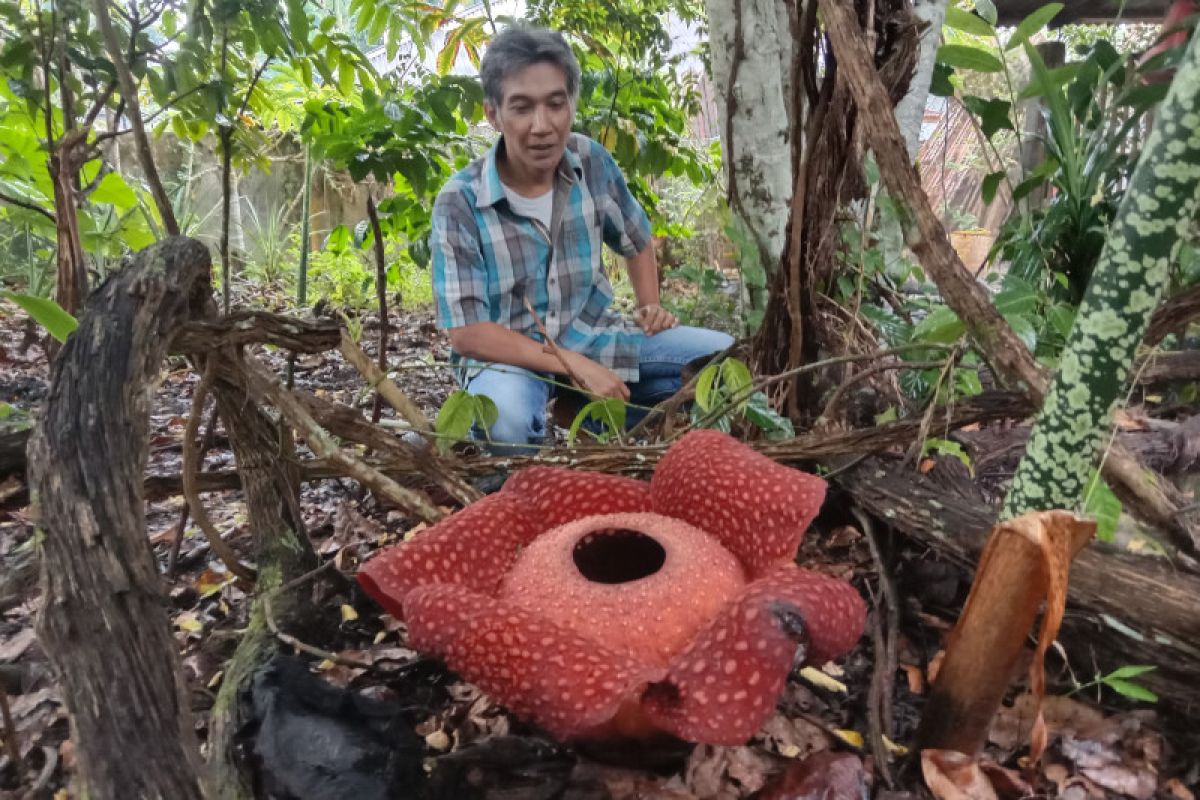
(191, 466)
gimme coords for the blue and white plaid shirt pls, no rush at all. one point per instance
(487, 258)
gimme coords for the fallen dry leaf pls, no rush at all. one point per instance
(793, 737)
(1012, 724)
(951, 775)
(727, 773)
(916, 678)
(1105, 766)
(822, 776)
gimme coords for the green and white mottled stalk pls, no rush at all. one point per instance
(1151, 224)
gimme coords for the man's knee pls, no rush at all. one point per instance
(518, 425)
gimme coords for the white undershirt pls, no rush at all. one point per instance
(537, 208)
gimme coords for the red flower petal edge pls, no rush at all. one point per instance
(725, 683)
(538, 670)
(757, 508)
(559, 495)
(473, 548)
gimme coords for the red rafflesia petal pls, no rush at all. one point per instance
(564, 495)
(723, 685)
(757, 508)
(473, 547)
(538, 670)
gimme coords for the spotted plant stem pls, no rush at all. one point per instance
(1152, 222)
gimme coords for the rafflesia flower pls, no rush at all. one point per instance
(598, 605)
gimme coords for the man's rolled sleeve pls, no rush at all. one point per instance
(626, 226)
(459, 274)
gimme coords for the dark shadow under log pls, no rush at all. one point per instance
(104, 622)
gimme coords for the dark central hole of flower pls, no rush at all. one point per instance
(618, 556)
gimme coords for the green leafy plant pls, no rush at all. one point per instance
(45, 312)
(725, 391)
(460, 413)
(1121, 681)
(607, 415)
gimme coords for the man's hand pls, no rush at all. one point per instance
(597, 379)
(652, 318)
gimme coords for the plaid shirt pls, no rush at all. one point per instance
(487, 258)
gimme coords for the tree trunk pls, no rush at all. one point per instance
(910, 112)
(751, 47)
(270, 477)
(133, 110)
(72, 278)
(826, 174)
(103, 621)
(1145, 239)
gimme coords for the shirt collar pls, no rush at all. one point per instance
(490, 190)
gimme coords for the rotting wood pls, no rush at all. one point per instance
(1124, 609)
(1173, 316)
(256, 327)
(103, 621)
(997, 343)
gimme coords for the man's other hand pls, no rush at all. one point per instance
(598, 379)
(652, 318)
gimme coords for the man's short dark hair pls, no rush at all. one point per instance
(521, 46)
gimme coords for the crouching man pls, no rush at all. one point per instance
(526, 222)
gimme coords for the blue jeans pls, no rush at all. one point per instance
(521, 395)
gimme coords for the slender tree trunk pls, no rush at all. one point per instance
(104, 622)
(302, 267)
(910, 112)
(381, 293)
(226, 138)
(133, 111)
(751, 59)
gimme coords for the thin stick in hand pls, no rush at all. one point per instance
(550, 347)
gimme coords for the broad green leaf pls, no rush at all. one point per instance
(113, 189)
(704, 385)
(948, 448)
(298, 21)
(991, 183)
(940, 85)
(961, 56)
(486, 412)
(1129, 671)
(1032, 24)
(1100, 502)
(735, 378)
(987, 10)
(758, 410)
(967, 22)
(454, 418)
(994, 115)
(1131, 690)
(45, 312)
(609, 412)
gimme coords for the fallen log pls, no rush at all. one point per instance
(1124, 609)
(635, 461)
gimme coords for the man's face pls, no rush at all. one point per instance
(535, 118)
